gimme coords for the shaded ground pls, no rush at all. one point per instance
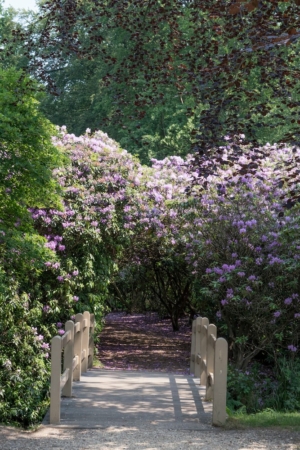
(144, 342)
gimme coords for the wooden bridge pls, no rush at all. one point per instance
(123, 398)
(100, 397)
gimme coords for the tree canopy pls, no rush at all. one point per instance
(238, 62)
(27, 153)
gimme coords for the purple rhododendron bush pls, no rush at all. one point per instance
(245, 250)
(136, 238)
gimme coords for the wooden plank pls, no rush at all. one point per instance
(65, 339)
(55, 380)
(203, 345)
(193, 346)
(210, 361)
(75, 363)
(220, 382)
(78, 346)
(68, 358)
(64, 378)
(197, 346)
(85, 340)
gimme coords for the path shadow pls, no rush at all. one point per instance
(105, 397)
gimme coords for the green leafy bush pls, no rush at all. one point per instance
(260, 387)
(24, 365)
(27, 160)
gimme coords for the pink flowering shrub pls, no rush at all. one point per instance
(152, 238)
(153, 271)
(88, 234)
(246, 248)
(231, 251)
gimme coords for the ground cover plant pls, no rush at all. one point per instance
(267, 418)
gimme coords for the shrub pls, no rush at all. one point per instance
(24, 366)
(245, 247)
(260, 387)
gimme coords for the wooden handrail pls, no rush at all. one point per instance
(77, 327)
(64, 378)
(78, 346)
(75, 362)
(209, 356)
(65, 339)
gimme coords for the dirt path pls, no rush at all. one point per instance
(144, 342)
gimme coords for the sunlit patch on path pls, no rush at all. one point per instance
(129, 398)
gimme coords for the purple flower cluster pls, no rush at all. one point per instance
(234, 236)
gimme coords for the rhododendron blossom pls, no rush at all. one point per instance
(184, 241)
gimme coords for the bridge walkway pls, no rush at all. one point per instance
(132, 398)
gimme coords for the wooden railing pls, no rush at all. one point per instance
(77, 345)
(209, 359)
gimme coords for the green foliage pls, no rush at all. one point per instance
(287, 395)
(27, 160)
(159, 130)
(264, 419)
(161, 77)
(260, 387)
(9, 18)
(27, 153)
(241, 389)
(24, 368)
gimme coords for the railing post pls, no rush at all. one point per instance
(193, 346)
(74, 341)
(203, 345)
(197, 346)
(55, 380)
(220, 382)
(78, 346)
(210, 361)
(91, 341)
(68, 359)
(85, 341)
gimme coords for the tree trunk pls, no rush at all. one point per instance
(175, 323)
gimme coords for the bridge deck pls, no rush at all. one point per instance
(124, 398)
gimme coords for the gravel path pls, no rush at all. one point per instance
(147, 438)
